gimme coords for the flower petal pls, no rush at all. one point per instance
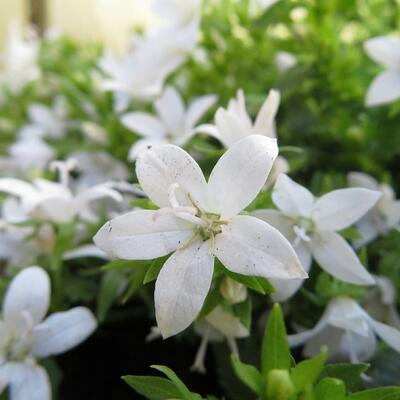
(198, 108)
(143, 235)
(62, 331)
(335, 256)
(284, 289)
(384, 50)
(226, 323)
(171, 109)
(17, 188)
(278, 220)
(240, 174)
(341, 208)
(143, 145)
(384, 89)
(144, 124)
(161, 166)
(27, 381)
(388, 334)
(359, 179)
(264, 123)
(182, 286)
(292, 198)
(252, 247)
(28, 291)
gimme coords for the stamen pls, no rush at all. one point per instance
(301, 235)
(64, 168)
(198, 364)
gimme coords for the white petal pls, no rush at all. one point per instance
(230, 127)
(144, 124)
(209, 129)
(240, 174)
(341, 208)
(88, 250)
(143, 235)
(284, 289)
(250, 246)
(198, 108)
(368, 231)
(298, 339)
(162, 166)
(384, 89)
(335, 256)
(384, 50)
(359, 179)
(264, 123)
(388, 334)
(182, 286)
(292, 198)
(28, 291)
(392, 214)
(28, 382)
(98, 192)
(17, 187)
(171, 109)
(143, 145)
(226, 323)
(278, 220)
(62, 331)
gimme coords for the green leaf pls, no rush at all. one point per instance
(348, 373)
(248, 374)
(154, 269)
(122, 264)
(185, 393)
(306, 372)
(212, 300)
(135, 282)
(108, 292)
(275, 352)
(243, 312)
(330, 389)
(383, 393)
(258, 284)
(152, 387)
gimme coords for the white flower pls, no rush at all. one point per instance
(46, 121)
(25, 336)
(199, 221)
(381, 218)
(310, 225)
(348, 331)
(385, 88)
(285, 60)
(140, 75)
(217, 326)
(234, 122)
(173, 123)
(55, 201)
(19, 61)
(178, 12)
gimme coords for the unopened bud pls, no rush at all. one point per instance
(232, 291)
(279, 385)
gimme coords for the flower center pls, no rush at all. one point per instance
(208, 225)
(302, 228)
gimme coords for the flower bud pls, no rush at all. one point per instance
(279, 385)
(232, 291)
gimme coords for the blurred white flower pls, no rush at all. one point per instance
(285, 60)
(217, 326)
(348, 331)
(383, 217)
(25, 336)
(46, 121)
(385, 88)
(55, 201)
(178, 12)
(19, 61)
(310, 225)
(174, 122)
(199, 221)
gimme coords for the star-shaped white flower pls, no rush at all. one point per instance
(19, 61)
(234, 123)
(174, 122)
(310, 225)
(381, 218)
(46, 121)
(385, 88)
(25, 336)
(198, 221)
(55, 201)
(348, 331)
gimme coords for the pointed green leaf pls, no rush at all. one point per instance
(306, 372)
(154, 269)
(348, 373)
(248, 374)
(108, 292)
(275, 352)
(153, 387)
(383, 393)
